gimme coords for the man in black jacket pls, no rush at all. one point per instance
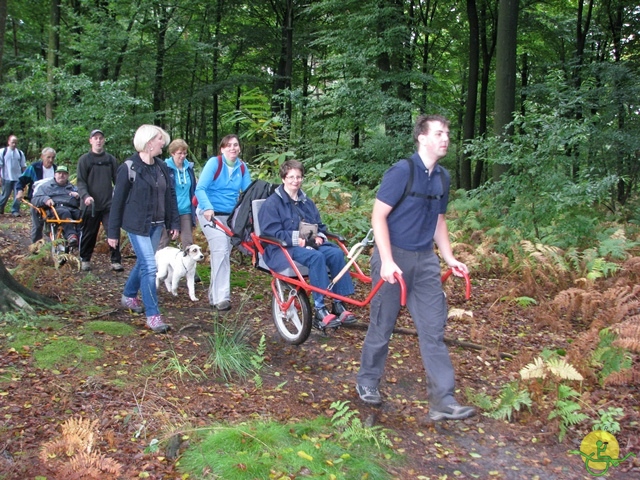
(96, 175)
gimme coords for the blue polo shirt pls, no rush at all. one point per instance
(413, 223)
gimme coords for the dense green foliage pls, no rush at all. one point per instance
(337, 84)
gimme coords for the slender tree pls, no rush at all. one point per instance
(471, 103)
(505, 96)
(3, 29)
(53, 52)
(285, 11)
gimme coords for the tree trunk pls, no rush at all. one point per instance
(469, 123)
(391, 66)
(284, 72)
(123, 49)
(158, 83)
(488, 29)
(215, 113)
(52, 55)
(15, 297)
(505, 96)
(3, 29)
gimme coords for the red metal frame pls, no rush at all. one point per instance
(256, 247)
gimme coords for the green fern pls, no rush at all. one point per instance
(601, 268)
(352, 428)
(481, 400)
(566, 410)
(511, 398)
(574, 258)
(610, 359)
(525, 301)
(257, 360)
(615, 245)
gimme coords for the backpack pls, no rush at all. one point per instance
(132, 172)
(243, 169)
(240, 220)
(4, 154)
(407, 189)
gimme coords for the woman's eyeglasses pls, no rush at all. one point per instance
(293, 178)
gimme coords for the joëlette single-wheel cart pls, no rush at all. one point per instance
(290, 306)
(54, 225)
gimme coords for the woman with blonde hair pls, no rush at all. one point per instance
(144, 203)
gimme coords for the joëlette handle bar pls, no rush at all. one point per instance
(297, 279)
(465, 275)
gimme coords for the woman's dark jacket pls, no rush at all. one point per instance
(134, 199)
(280, 217)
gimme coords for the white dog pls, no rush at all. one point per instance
(173, 264)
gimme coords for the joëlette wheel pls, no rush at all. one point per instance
(294, 324)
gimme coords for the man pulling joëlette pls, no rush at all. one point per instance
(405, 229)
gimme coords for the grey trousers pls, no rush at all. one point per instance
(427, 305)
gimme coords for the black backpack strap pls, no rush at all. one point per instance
(407, 189)
(408, 186)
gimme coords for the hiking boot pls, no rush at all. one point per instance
(72, 240)
(323, 319)
(85, 266)
(117, 267)
(370, 395)
(155, 323)
(15, 214)
(345, 316)
(451, 412)
(223, 306)
(132, 304)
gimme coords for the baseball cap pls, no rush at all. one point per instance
(95, 132)
(62, 168)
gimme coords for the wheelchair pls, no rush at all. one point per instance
(54, 226)
(290, 305)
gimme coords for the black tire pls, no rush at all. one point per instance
(294, 325)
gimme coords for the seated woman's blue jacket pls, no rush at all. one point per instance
(280, 217)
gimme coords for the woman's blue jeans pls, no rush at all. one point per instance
(328, 256)
(143, 275)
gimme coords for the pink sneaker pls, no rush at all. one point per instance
(132, 304)
(155, 323)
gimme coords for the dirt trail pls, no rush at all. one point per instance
(314, 375)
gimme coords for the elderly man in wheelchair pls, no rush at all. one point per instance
(62, 202)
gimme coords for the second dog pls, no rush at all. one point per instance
(173, 264)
